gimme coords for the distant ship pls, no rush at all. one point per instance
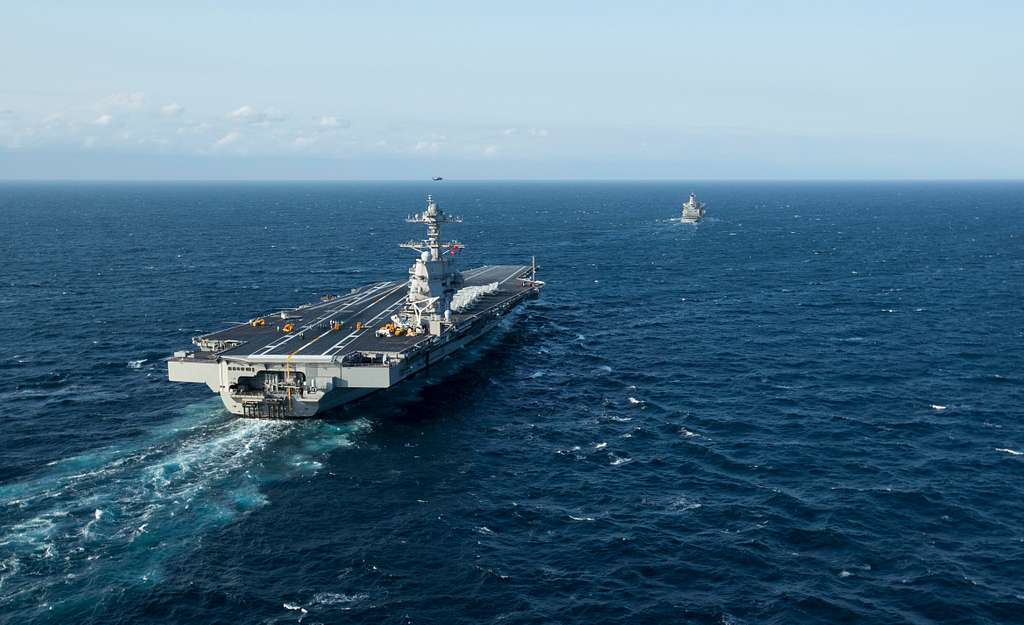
(435, 178)
(693, 211)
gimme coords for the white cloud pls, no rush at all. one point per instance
(126, 101)
(104, 120)
(245, 112)
(303, 142)
(538, 132)
(172, 110)
(427, 147)
(508, 132)
(228, 139)
(250, 115)
(490, 150)
(53, 120)
(329, 120)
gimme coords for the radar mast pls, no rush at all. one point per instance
(433, 279)
(433, 217)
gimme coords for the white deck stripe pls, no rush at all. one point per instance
(357, 333)
(358, 298)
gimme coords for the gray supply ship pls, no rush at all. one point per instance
(693, 211)
(302, 361)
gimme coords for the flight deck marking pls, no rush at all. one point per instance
(347, 300)
(357, 332)
(348, 340)
(362, 297)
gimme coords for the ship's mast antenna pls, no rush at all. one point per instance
(433, 217)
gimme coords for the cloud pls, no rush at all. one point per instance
(247, 114)
(104, 120)
(172, 110)
(329, 121)
(53, 120)
(538, 132)
(228, 139)
(490, 150)
(124, 101)
(193, 128)
(508, 132)
(427, 147)
(303, 142)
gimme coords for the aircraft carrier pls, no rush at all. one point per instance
(302, 361)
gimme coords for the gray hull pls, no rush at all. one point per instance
(340, 397)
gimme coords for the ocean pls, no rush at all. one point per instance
(804, 409)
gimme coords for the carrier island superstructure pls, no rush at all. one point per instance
(302, 361)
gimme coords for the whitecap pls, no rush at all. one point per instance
(617, 460)
(600, 445)
(683, 504)
(335, 598)
(136, 364)
(635, 402)
(581, 518)
(486, 531)
(938, 408)
(302, 610)
(1012, 452)
(687, 433)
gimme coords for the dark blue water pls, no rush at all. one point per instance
(806, 409)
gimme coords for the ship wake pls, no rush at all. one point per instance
(115, 517)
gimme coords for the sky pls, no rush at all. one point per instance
(511, 90)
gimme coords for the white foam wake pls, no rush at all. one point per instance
(97, 517)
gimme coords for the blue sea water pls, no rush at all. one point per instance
(805, 409)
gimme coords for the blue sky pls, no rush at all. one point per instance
(537, 90)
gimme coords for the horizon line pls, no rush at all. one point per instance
(480, 180)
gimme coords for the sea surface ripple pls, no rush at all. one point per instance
(805, 409)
